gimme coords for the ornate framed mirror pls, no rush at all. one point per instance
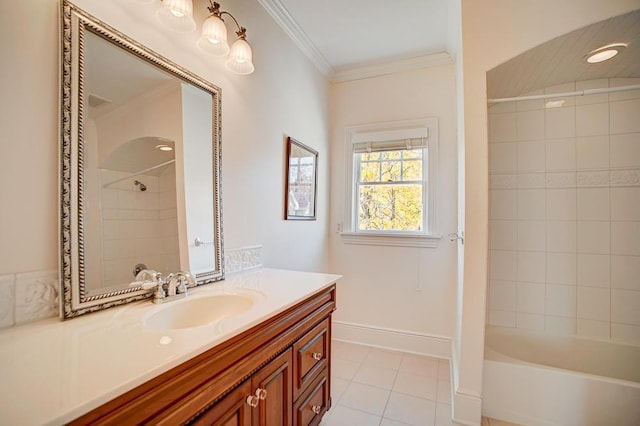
(140, 154)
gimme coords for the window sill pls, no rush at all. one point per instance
(390, 239)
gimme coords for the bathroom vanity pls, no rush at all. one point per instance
(268, 365)
(253, 348)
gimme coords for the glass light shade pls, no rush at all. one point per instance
(240, 57)
(213, 38)
(602, 56)
(177, 15)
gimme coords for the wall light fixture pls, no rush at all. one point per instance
(178, 16)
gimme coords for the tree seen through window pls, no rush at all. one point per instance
(390, 190)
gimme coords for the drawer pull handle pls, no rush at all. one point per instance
(316, 409)
(261, 393)
(317, 356)
(252, 400)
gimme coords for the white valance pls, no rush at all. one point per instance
(390, 140)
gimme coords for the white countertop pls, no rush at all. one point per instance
(52, 372)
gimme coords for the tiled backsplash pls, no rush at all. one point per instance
(242, 259)
(31, 296)
(27, 297)
(565, 213)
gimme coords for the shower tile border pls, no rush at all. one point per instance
(614, 178)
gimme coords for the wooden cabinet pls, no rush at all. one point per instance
(263, 400)
(232, 410)
(274, 374)
(314, 402)
(275, 381)
(311, 355)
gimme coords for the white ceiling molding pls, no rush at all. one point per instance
(391, 67)
(282, 16)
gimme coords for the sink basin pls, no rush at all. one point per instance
(198, 311)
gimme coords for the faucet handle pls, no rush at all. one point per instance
(149, 279)
(189, 278)
(185, 280)
(152, 275)
(182, 286)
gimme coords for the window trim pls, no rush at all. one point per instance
(382, 132)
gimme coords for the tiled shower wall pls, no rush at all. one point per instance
(565, 213)
(139, 226)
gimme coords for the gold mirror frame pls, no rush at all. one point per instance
(75, 300)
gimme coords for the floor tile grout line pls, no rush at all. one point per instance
(362, 364)
(359, 410)
(384, 410)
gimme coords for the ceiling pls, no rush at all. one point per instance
(340, 36)
(140, 154)
(108, 67)
(563, 59)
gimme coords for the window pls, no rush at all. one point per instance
(391, 184)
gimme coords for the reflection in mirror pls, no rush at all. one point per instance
(140, 168)
(301, 181)
(130, 207)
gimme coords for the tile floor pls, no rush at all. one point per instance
(379, 387)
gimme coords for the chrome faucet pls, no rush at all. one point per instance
(149, 279)
(179, 282)
(174, 286)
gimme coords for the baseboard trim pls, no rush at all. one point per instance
(387, 338)
(466, 409)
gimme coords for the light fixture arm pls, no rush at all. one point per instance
(214, 9)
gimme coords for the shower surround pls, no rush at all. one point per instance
(565, 213)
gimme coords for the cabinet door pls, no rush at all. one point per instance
(232, 410)
(276, 380)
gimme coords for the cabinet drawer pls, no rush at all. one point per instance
(314, 402)
(311, 353)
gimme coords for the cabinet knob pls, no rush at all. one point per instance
(317, 356)
(316, 409)
(252, 401)
(261, 393)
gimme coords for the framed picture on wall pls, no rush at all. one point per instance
(301, 181)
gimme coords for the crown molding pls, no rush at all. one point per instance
(390, 67)
(282, 16)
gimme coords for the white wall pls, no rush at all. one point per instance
(155, 113)
(494, 31)
(401, 288)
(285, 96)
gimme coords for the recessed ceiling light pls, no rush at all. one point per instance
(605, 52)
(164, 148)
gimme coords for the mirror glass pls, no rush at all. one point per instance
(301, 181)
(140, 168)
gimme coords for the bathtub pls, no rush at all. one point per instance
(531, 378)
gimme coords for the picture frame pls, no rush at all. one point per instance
(301, 182)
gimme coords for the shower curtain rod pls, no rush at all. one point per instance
(585, 92)
(157, 166)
